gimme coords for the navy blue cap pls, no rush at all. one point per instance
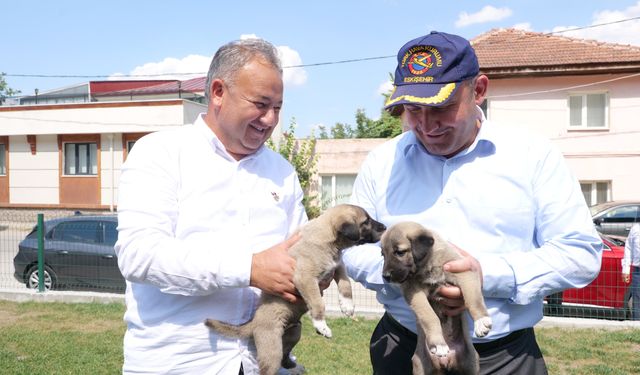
(430, 69)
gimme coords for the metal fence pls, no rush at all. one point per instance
(77, 252)
(78, 255)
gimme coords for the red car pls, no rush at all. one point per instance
(606, 297)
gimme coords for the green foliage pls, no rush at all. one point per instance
(301, 154)
(386, 126)
(5, 90)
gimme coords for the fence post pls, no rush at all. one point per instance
(41, 253)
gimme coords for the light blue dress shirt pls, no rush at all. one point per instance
(509, 200)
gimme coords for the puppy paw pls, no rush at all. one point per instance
(440, 350)
(346, 306)
(482, 326)
(322, 328)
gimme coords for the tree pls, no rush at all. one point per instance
(5, 90)
(341, 131)
(301, 154)
(387, 126)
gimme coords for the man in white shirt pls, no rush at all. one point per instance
(206, 214)
(507, 199)
(631, 268)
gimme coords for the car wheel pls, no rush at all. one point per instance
(50, 278)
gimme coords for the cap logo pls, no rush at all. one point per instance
(420, 63)
(419, 60)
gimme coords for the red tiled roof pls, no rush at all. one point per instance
(190, 85)
(510, 50)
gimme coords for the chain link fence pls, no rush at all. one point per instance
(79, 256)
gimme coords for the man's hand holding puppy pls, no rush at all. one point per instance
(450, 296)
(272, 270)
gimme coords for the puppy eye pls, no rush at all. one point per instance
(399, 252)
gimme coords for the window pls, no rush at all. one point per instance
(130, 146)
(86, 231)
(335, 189)
(588, 111)
(623, 214)
(110, 232)
(595, 191)
(77, 231)
(80, 159)
(3, 161)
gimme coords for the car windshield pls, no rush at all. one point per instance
(598, 208)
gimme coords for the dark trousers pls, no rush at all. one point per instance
(392, 346)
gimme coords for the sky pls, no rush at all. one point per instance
(337, 54)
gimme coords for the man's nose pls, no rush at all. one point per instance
(428, 120)
(270, 117)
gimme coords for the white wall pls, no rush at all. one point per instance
(33, 178)
(594, 155)
(95, 118)
(111, 157)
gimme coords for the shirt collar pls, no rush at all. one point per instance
(215, 142)
(483, 144)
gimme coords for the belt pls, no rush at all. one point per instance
(483, 347)
(480, 347)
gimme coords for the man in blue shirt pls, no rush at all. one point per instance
(506, 199)
(631, 268)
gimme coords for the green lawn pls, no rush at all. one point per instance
(56, 338)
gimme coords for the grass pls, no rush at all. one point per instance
(57, 338)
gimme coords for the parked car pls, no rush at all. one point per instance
(78, 254)
(616, 217)
(605, 297)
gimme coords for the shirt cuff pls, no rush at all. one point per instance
(498, 277)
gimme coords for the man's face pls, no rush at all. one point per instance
(244, 113)
(448, 129)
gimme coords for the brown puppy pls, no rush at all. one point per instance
(275, 327)
(413, 258)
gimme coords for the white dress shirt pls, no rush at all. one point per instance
(509, 200)
(631, 250)
(190, 217)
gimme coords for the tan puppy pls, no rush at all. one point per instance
(413, 258)
(275, 327)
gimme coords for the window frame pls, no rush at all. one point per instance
(585, 111)
(333, 200)
(90, 165)
(593, 199)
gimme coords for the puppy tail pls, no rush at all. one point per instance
(237, 331)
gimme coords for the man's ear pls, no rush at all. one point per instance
(218, 89)
(480, 89)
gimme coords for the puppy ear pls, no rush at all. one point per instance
(420, 246)
(349, 230)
